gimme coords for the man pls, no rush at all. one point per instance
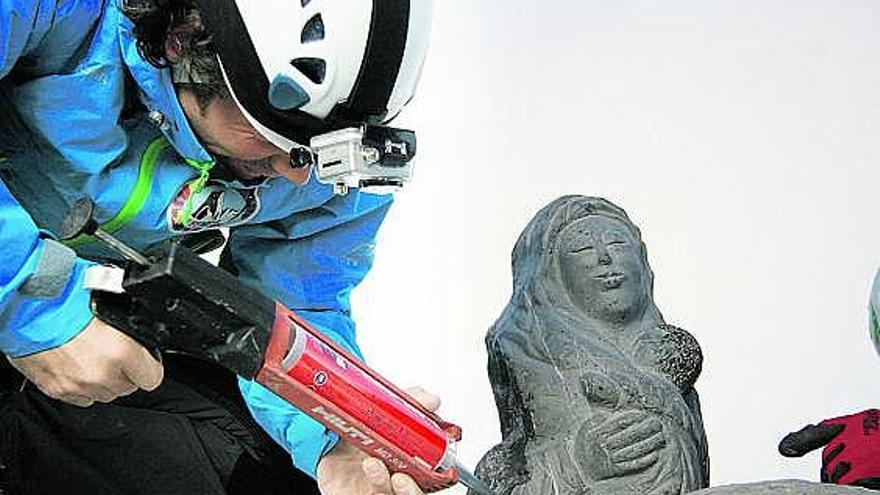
(200, 137)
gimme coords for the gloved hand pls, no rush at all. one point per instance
(851, 453)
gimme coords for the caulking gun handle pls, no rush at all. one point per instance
(122, 313)
(182, 303)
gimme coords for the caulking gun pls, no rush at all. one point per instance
(170, 299)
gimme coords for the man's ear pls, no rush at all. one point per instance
(173, 48)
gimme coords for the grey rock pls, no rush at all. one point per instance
(784, 487)
(595, 392)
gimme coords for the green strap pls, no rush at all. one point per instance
(197, 186)
(142, 189)
(138, 194)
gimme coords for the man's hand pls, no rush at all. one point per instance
(98, 365)
(851, 453)
(348, 471)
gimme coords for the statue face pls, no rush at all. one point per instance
(602, 268)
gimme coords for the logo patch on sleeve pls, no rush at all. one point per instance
(216, 205)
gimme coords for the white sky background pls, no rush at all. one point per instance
(743, 137)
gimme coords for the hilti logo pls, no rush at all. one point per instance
(343, 426)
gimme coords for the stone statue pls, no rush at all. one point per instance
(594, 390)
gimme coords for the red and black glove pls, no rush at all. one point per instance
(851, 453)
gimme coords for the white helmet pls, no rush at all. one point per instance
(874, 312)
(303, 68)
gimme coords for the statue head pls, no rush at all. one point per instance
(583, 254)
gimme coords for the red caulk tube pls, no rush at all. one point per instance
(346, 396)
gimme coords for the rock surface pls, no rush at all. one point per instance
(784, 487)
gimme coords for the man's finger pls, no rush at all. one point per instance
(840, 471)
(430, 401)
(377, 476)
(828, 458)
(870, 483)
(77, 400)
(808, 439)
(103, 394)
(113, 389)
(404, 485)
(143, 370)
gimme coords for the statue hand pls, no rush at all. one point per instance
(625, 442)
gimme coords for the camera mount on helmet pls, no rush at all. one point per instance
(376, 159)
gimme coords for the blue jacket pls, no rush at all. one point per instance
(66, 67)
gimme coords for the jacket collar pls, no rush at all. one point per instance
(158, 95)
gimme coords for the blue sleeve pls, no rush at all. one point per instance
(22, 25)
(43, 303)
(310, 262)
(49, 31)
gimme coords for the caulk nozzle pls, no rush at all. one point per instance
(472, 482)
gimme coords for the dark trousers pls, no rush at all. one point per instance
(193, 436)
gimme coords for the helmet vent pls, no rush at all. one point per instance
(313, 30)
(313, 68)
(305, 2)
